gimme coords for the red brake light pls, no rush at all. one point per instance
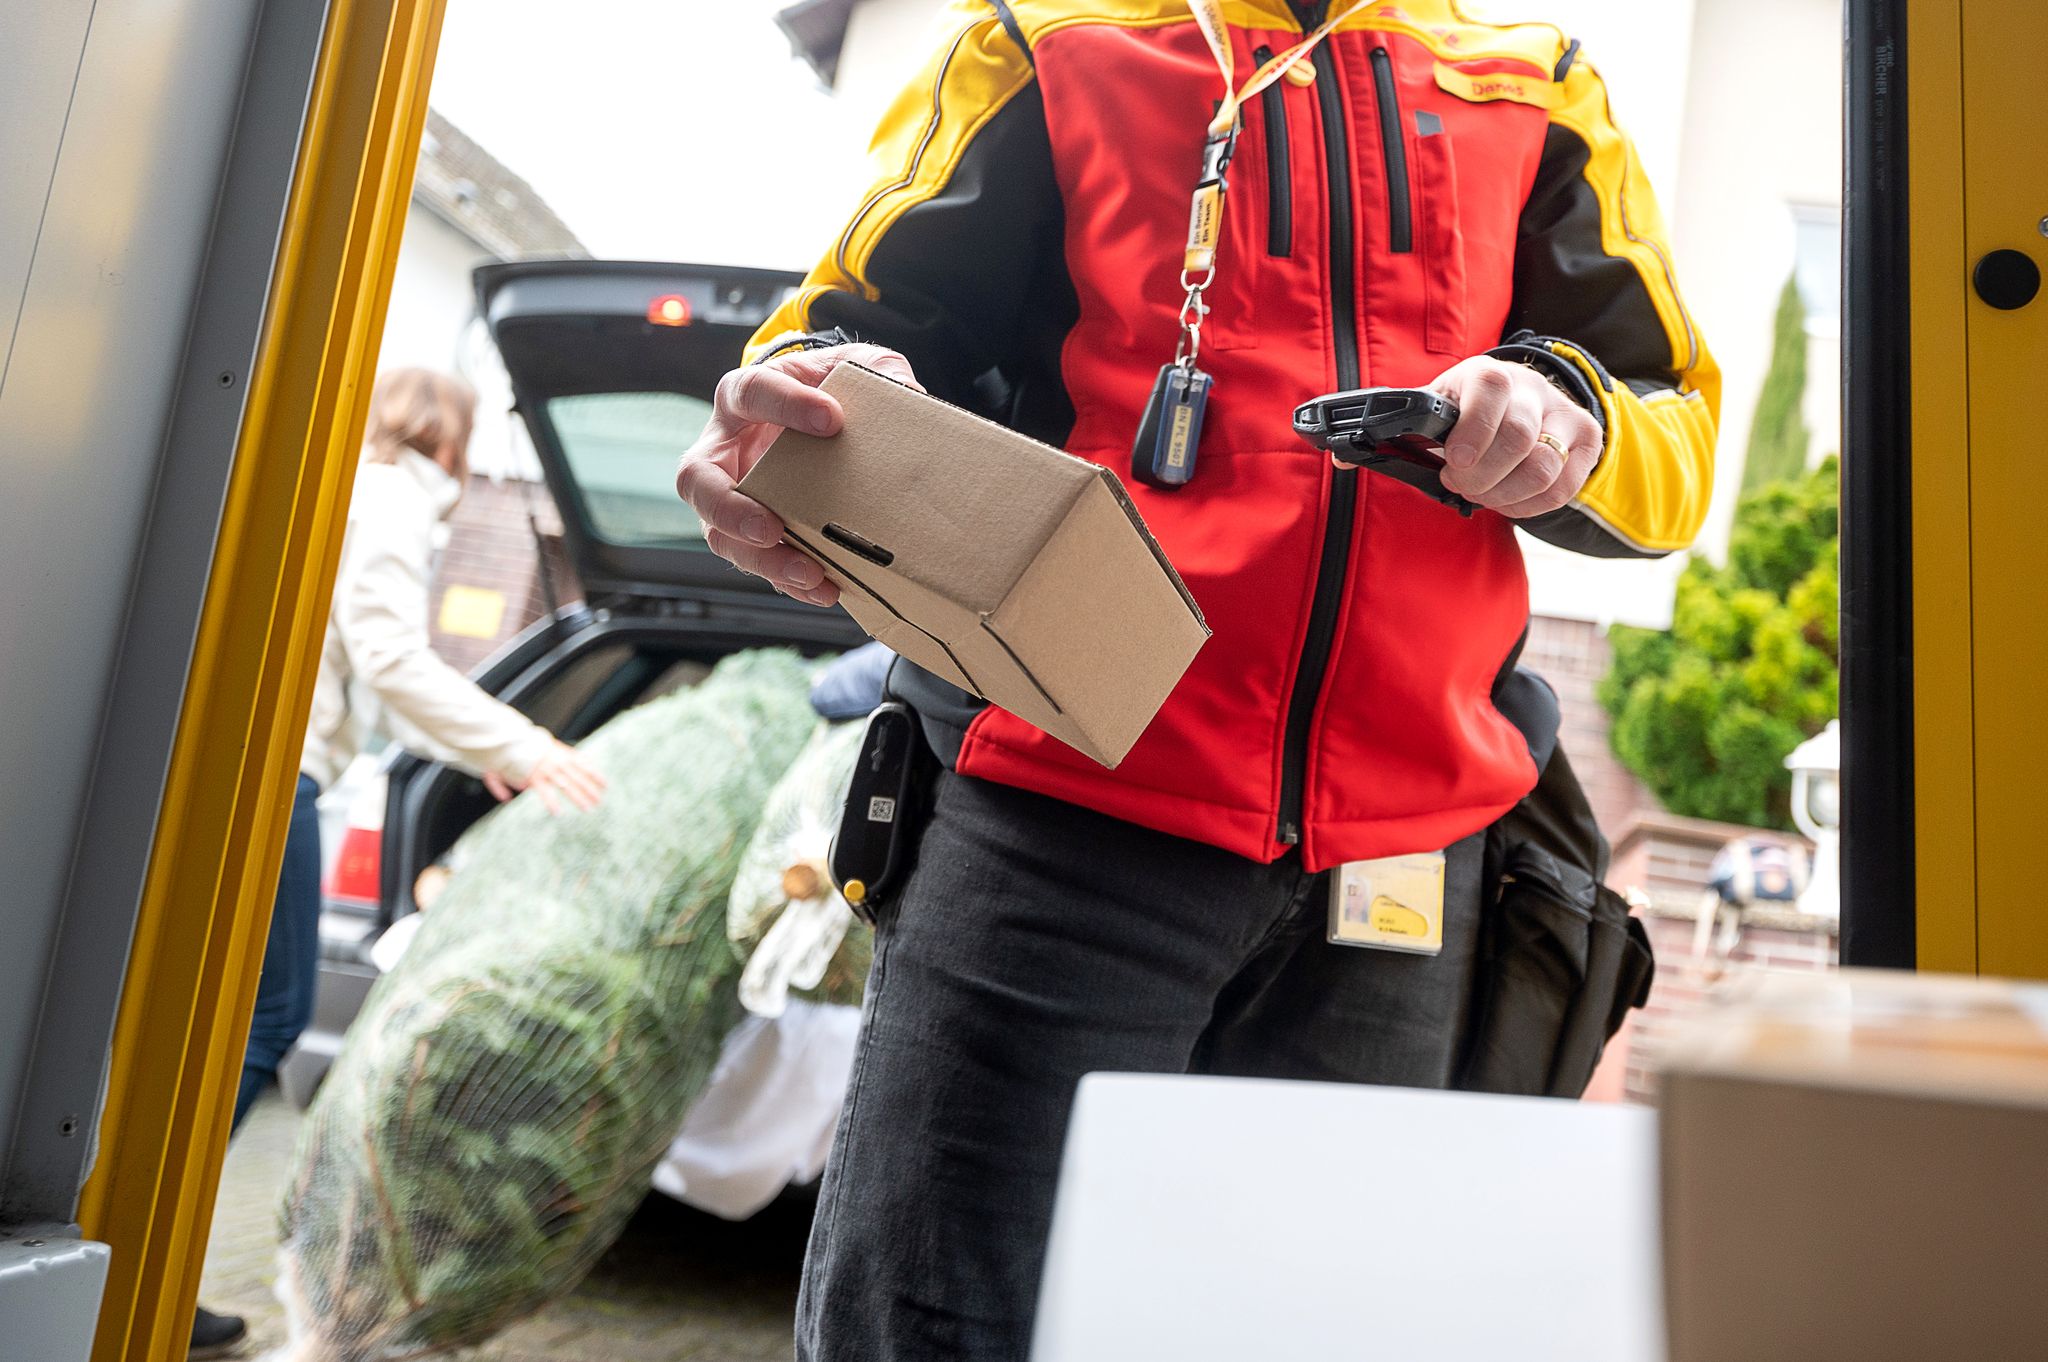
(357, 866)
(671, 309)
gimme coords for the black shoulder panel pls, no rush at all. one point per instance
(974, 279)
(1567, 285)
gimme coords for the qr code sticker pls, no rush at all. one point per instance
(881, 809)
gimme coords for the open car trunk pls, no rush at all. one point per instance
(613, 365)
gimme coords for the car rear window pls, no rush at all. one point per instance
(622, 450)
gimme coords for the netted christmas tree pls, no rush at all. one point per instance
(502, 1097)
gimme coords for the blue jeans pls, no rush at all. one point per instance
(291, 957)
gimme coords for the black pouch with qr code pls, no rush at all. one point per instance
(884, 811)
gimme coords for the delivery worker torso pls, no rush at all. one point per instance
(1434, 187)
(1421, 201)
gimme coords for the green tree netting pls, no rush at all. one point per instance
(788, 922)
(496, 1110)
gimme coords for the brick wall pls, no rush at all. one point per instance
(1661, 863)
(1660, 860)
(1663, 854)
(491, 565)
(1769, 938)
(1572, 656)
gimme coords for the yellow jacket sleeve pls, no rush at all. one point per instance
(1596, 293)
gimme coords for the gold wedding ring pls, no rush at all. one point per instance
(1546, 438)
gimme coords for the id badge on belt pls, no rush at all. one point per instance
(1395, 903)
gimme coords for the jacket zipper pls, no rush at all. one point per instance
(1279, 170)
(1400, 211)
(1335, 561)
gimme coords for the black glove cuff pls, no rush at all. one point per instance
(1536, 352)
(790, 342)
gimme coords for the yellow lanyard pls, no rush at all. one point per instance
(1208, 14)
(1205, 217)
(1209, 18)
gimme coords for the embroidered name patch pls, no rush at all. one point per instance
(1516, 89)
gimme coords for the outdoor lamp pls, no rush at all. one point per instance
(1816, 767)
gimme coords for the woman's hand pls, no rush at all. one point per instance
(1521, 447)
(561, 774)
(753, 405)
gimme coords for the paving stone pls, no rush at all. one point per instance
(678, 1287)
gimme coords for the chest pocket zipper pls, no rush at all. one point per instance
(1429, 178)
(1279, 165)
(1394, 153)
(1436, 171)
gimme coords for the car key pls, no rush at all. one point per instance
(1170, 433)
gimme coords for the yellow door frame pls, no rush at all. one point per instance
(197, 952)
(2004, 211)
(1944, 726)
(1944, 608)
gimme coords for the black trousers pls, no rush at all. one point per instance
(1036, 942)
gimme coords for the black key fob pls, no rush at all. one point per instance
(884, 809)
(1170, 434)
(1396, 432)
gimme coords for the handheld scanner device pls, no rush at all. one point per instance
(878, 826)
(1396, 432)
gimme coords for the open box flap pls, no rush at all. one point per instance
(1009, 568)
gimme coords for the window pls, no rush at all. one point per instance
(1817, 265)
(622, 450)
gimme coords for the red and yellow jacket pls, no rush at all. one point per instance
(1439, 185)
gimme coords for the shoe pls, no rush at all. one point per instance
(215, 1335)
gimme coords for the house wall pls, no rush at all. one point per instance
(1763, 133)
(433, 324)
(492, 567)
(887, 41)
(1572, 655)
(431, 302)
(1641, 51)
(490, 560)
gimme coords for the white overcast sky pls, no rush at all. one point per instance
(685, 130)
(658, 129)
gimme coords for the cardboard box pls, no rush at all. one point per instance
(1012, 569)
(1855, 1166)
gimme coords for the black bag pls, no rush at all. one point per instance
(1561, 959)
